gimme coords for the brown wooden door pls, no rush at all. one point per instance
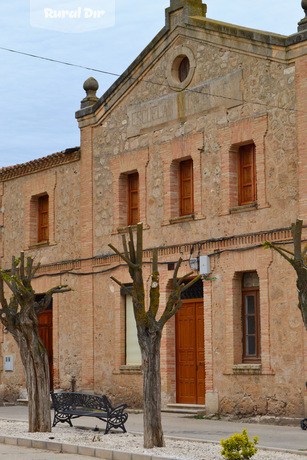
(190, 365)
(45, 333)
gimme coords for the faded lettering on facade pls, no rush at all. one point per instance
(225, 91)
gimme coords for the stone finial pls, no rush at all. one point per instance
(302, 25)
(90, 86)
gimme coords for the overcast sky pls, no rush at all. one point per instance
(39, 98)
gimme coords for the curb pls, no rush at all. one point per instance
(110, 454)
(79, 450)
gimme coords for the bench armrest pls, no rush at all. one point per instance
(118, 410)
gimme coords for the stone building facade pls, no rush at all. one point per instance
(203, 139)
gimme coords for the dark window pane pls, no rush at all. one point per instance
(184, 69)
(251, 325)
(251, 346)
(250, 305)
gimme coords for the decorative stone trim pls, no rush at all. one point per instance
(177, 220)
(172, 69)
(40, 245)
(246, 369)
(231, 137)
(172, 153)
(129, 369)
(246, 207)
(126, 229)
(34, 166)
(60, 267)
(120, 166)
(208, 245)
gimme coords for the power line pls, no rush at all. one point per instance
(243, 101)
(58, 62)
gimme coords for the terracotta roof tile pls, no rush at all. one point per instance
(55, 159)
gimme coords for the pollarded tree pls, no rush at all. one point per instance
(298, 260)
(19, 316)
(149, 328)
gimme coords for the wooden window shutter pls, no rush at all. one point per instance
(247, 175)
(43, 218)
(133, 199)
(186, 188)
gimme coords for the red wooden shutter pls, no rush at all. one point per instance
(186, 188)
(43, 218)
(247, 176)
(133, 199)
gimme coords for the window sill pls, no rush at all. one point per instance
(39, 245)
(246, 369)
(126, 229)
(130, 369)
(244, 208)
(177, 220)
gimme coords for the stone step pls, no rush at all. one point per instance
(22, 402)
(195, 409)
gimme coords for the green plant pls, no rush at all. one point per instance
(239, 447)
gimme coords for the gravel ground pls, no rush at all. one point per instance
(128, 442)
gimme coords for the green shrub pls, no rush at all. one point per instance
(239, 447)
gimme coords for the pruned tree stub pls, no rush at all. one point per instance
(19, 316)
(298, 260)
(149, 327)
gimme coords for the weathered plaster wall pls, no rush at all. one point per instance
(63, 185)
(206, 128)
(265, 85)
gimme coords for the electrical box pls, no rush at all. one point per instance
(204, 265)
(9, 363)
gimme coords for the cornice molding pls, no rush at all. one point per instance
(210, 247)
(41, 164)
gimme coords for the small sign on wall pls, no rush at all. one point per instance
(9, 363)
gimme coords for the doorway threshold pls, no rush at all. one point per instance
(196, 409)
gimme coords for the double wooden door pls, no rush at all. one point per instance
(45, 333)
(190, 359)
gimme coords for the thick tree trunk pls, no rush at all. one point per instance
(153, 434)
(36, 367)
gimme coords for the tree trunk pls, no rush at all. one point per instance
(34, 358)
(302, 295)
(153, 434)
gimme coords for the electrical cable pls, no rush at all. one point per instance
(243, 101)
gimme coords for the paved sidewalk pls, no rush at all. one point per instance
(181, 426)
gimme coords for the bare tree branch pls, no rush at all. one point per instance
(296, 230)
(128, 262)
(268, 245)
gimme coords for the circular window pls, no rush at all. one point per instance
(181, 68)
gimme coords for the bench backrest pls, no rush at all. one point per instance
(64, 401)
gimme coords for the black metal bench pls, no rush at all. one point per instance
(68, 406)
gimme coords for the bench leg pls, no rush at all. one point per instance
(111, 424)
(58, 417)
